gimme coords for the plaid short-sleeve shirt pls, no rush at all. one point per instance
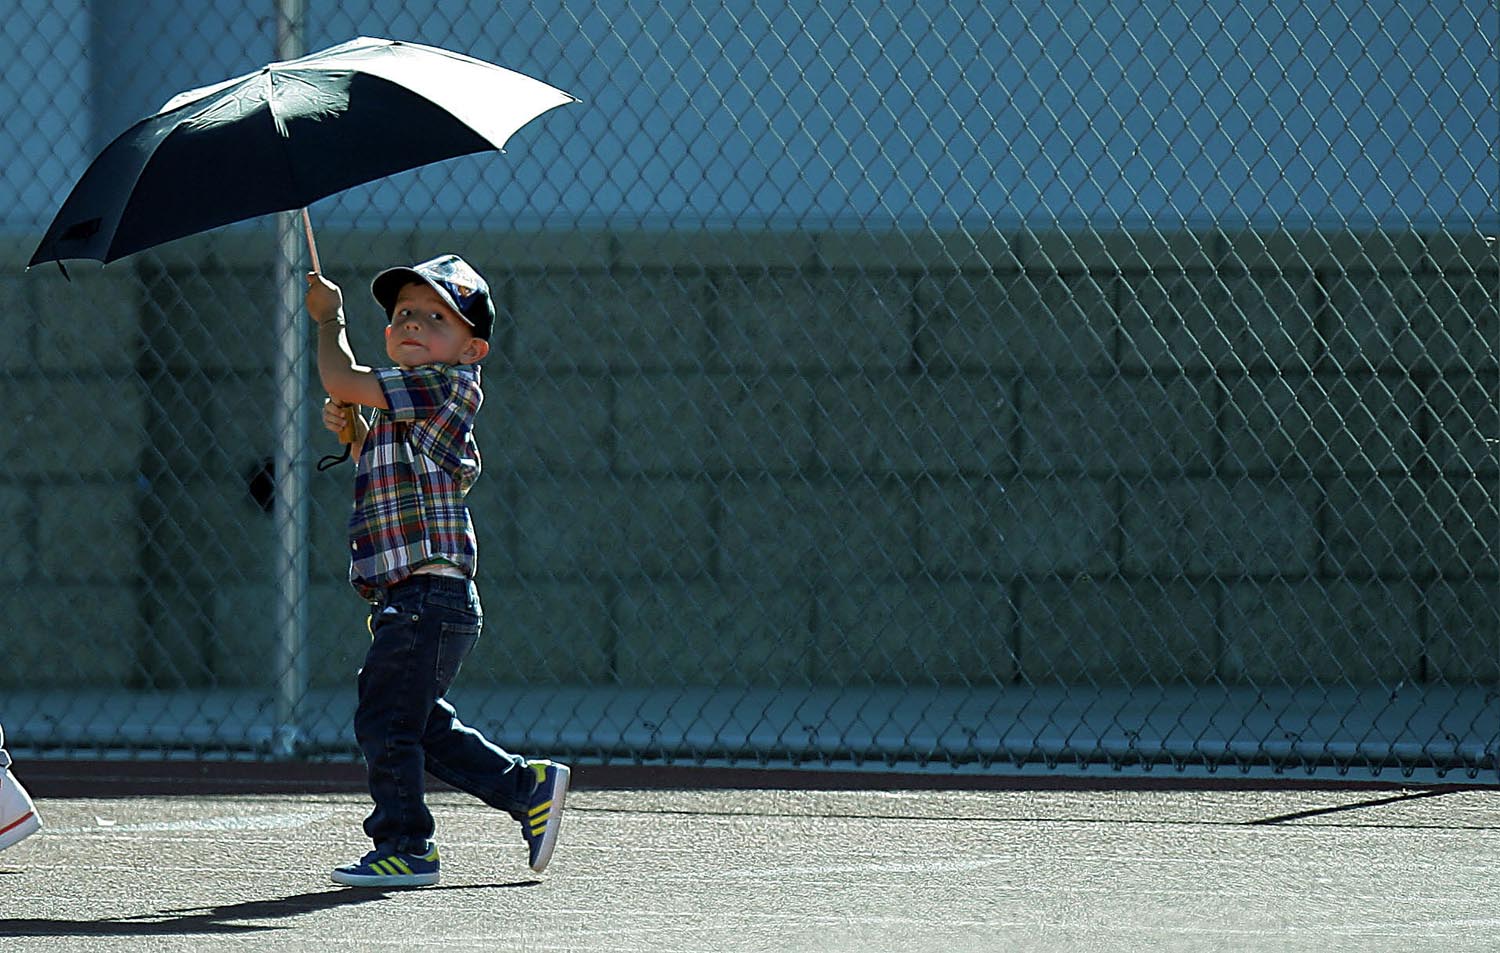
(415, 468)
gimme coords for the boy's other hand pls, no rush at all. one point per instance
(336, 415)
(346, 421)
(325, 302)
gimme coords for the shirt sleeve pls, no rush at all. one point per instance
(440, 404)
(414, 394)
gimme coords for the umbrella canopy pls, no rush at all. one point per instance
(286, 135)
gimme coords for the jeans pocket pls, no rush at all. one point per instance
(392, 612)
(456, 640)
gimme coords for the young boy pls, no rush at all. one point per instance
(413, 558)
(18, 819)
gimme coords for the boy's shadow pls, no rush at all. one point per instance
(221, 919)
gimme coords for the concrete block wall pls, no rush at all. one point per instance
(69, 479)
(803, 460)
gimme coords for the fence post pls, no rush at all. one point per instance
(291, 507)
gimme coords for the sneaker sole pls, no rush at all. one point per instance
(554, 822)
(20, 820)
(384, 880)
(19, 829)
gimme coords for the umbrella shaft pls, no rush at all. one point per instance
(312, 246)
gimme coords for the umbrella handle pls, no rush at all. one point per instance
(346, 435)
(312, 246)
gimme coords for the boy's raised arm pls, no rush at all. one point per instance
(343, 378)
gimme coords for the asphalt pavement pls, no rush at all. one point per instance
(1032, 867)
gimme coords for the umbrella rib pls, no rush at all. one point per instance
(284, 140)
(135, 180)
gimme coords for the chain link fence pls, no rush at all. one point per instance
(879, 384)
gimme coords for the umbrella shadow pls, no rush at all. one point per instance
(223, 919)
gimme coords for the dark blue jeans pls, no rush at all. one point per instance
(423, 628)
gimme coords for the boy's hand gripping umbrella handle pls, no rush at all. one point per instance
(346, 435)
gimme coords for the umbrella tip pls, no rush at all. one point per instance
(60, 268)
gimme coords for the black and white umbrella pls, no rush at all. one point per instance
(286, 135)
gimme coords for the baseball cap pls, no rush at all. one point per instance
(459, 285)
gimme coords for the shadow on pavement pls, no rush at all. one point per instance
(223, 919)
(1357, 806)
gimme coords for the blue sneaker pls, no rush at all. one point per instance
(387, 868)
(544, 811)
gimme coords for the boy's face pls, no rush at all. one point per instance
(424, 330)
